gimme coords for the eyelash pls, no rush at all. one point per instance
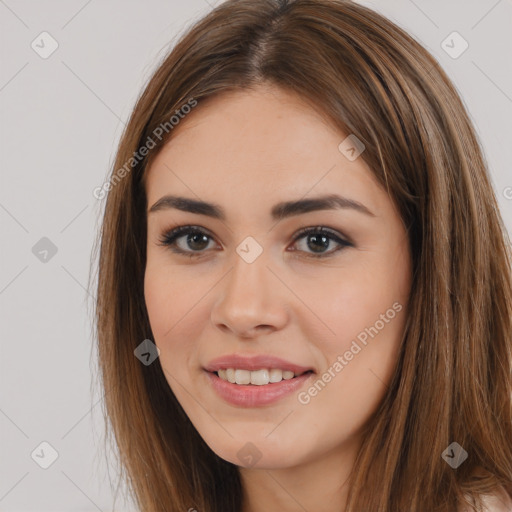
(168, 239)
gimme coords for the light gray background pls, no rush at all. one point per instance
(61, 119)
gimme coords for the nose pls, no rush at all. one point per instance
(251, 300)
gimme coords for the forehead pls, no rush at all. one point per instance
(256, 143)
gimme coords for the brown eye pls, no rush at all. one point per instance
(319, 239)
(188, 240)
(193, 241)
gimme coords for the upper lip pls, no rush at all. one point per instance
(252, 363)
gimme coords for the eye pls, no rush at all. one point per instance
(192, 241)
(319, 238)
(194, 237)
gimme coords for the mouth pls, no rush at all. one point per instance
(256, 388)
(252, 380)
(261, 377)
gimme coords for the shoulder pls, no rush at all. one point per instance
(499, 501)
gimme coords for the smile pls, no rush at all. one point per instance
(245, 394)
(256, 378)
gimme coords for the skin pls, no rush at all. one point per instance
(247, 151)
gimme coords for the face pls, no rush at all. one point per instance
(298, 299)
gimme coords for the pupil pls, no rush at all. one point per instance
(196, 237)
(325, 240)
(202, 240)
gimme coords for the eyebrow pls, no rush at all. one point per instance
(279, 211)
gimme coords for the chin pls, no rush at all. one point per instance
(258, 451)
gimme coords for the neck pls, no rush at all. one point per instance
(320, 484)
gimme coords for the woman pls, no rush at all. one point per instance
(305, 291)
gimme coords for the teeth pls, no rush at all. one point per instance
(276, 375)
(256, 378)
(230, 375)
(242, 376)
(260, 377)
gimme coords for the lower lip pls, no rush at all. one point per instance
(252, 395)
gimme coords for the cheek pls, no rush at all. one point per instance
(364, 310)
(160, 303)
(368, 295)
(173, 306)
(359, 360)
(170, 297)
(352, 304)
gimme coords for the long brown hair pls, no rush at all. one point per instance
(453, 380)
